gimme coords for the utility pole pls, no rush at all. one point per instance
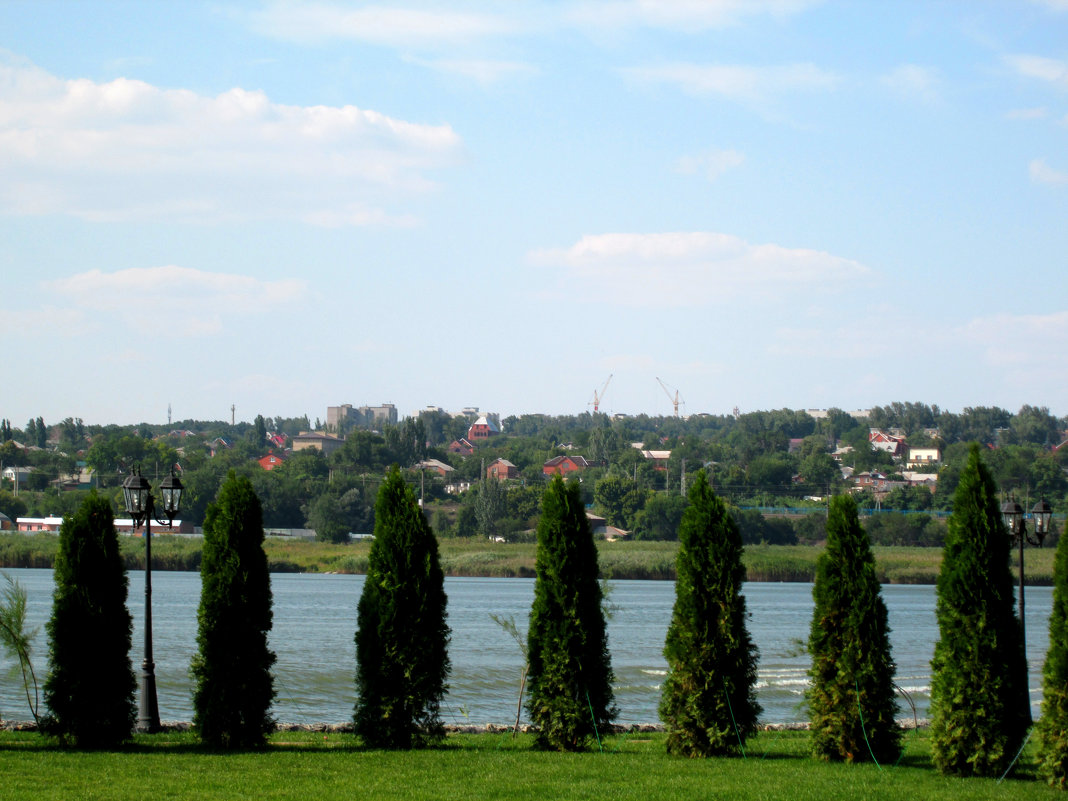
(232, 409)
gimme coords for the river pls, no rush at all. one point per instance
(315, 620)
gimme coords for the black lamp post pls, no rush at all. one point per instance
(140, 505)
(1015, 520)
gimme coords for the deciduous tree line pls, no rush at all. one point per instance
(980, 708)
(756, 458)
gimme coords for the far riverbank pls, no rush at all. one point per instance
(481, 559)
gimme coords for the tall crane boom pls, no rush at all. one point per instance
(598, 397)
(674, 399)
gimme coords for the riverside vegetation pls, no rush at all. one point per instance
(468, 557)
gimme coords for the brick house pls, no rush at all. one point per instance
(894, 444)
(563, 465)
(483, 428)
(501, 469)
(922, 456)
(461, 447)
(327, 443)
(270, 461)
(436, 466)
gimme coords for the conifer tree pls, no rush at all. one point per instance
(980, 709)
(569, 679)
(402, 660)
(90, 689)
(232, 668)
(851, 700)
(1053, 725)
(708, 702)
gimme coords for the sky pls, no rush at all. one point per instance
(755, 204)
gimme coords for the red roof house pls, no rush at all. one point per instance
(562, 465)
(270, 461)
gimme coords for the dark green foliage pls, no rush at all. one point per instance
(570, 669)
(895, 528)
(851, 700)
(755, 529)
(90, 690)
(708, 703)
(1053, 725)
(979, 699)
(232, 669)
(402, 640)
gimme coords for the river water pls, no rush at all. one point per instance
(315, 620)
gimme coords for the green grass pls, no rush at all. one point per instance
(477, 557)
(484, 766)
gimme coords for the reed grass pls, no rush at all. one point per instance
(477, 557)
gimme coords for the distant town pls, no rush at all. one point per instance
(479, 475)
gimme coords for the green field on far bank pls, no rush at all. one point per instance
(476, 557)
(486, 766)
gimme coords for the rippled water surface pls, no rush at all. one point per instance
(315, 620)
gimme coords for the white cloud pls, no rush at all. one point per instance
(1042, 173)
(1027, 347)
(684, 15)
(913, 81)
(739, 82)
(189, 302)
(482, 71)
(1039, 113)
(1040, 67)
(126, 149)
(1053, 5)
(691, 268)
(711, 164)
(390, 25)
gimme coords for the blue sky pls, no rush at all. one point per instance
(765, 203)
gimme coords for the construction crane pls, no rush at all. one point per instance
(598, 397)
(674, 400)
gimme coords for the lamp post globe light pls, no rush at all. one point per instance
(140, 505)
(1015, 521)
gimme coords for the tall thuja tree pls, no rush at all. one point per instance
(979, 698)
(570, 670)
(90, 689)
(232, 668)
(1053, 725)
(402, 640)
(709, 703)
(851, 700)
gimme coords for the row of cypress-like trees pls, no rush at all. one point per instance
(90, 687)
(979, 701)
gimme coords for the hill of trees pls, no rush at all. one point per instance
(775, 458)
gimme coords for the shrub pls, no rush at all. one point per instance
(90, 689)
(570, 670)
(1053, 725)
(980, 709)
(402, 661)
(851, 699)
(709, 704)
(232, 668)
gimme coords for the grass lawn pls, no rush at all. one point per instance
(483, 766)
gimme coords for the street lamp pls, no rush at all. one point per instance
(1015, 520)
(140, 505)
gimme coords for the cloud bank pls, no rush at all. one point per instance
(692, 269)
(182, 301)
(125, 150)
